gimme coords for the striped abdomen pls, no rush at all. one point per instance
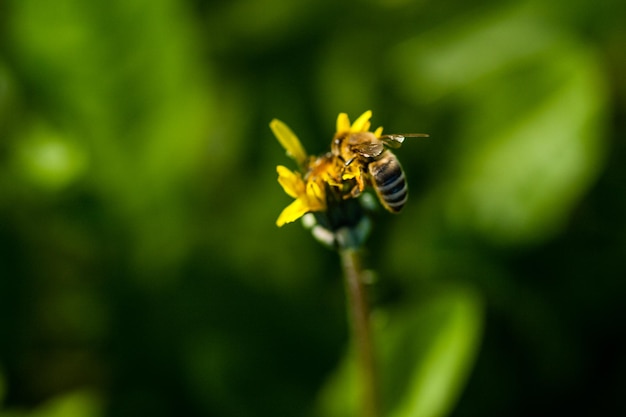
(389, 182)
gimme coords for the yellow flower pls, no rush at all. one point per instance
(318, 175)
(309, 195)
(362, 124)
(309, 192)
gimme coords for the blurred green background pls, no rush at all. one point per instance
(141, 272)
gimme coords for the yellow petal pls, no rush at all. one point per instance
(289, 141)
(291, 213)
(290, 181)
(343, 123)
(378, 132)
(362, 124)
(315, 196)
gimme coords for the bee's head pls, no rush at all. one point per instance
(336, 144)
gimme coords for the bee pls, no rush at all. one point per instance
(375, 165)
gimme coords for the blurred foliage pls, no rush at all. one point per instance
(424, 352)
(141, 272)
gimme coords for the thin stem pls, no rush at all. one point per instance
(360, 326)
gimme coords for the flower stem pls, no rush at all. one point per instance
(358, 313)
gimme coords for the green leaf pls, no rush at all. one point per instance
(48, 159)
(79, 403)
(138, 101)
(521, 180)
(425, 352)
(83, 403)
(529, 135)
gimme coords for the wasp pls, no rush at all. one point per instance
(367, 156)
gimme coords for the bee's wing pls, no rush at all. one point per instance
(368, 149)
(394, 141)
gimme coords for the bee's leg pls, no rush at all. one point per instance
(353, 193)
(360, 182)
(357, 189)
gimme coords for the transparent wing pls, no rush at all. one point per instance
(395, 140)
